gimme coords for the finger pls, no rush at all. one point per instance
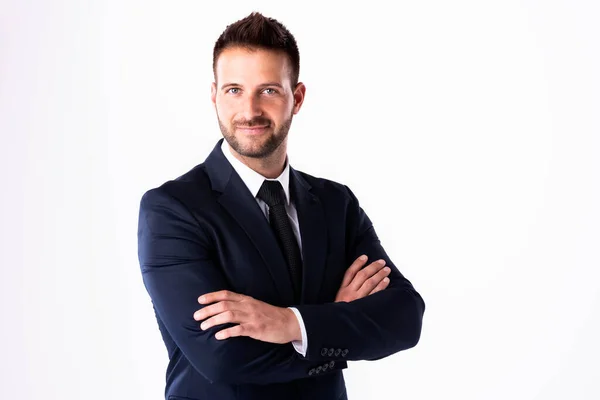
(382, 285)
(353, 269)
(373, 281)
(234, 331)
(229, 316)
(221, 295)
(366, 273)
(213, 309)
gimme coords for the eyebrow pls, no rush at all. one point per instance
(261, 85)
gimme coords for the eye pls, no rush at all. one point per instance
(270, 91)
(233, 90)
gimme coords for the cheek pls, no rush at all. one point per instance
(279, 109)
(225, 109)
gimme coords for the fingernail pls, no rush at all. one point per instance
(363, 257)
(387, 269)
(203, 326)
(386, 279)
(201, 299)
(381, 262)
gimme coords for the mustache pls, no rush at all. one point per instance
(258, 121)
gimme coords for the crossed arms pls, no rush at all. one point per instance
(177, 268)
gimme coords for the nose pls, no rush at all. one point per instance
(251, 108)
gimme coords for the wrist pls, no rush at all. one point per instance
(292, 326)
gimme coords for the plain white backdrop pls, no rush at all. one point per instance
(469, 131)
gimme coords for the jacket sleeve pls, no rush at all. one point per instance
(375, 326)
(178, 265)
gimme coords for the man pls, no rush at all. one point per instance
(254, 268)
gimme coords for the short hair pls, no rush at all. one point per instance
(259, 32)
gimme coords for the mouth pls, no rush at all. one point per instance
(252, 130)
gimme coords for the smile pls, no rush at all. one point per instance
(253, 129)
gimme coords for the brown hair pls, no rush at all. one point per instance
(259, 32)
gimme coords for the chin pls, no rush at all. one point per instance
(254, 151)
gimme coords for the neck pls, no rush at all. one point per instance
(270, 166)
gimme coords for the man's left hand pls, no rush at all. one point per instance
(256, 319)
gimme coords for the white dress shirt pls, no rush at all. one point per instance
(254, 181)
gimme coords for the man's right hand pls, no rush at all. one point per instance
(359, 283)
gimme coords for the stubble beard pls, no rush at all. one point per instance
(269, 146)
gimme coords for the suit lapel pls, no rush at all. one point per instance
(313, 232)
(237, 200)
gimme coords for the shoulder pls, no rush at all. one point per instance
(186, 188)
(327, 188)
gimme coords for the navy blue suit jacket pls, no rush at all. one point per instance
(205, 232)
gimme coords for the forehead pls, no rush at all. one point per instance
(252, 65)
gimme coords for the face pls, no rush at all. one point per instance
(254, 100)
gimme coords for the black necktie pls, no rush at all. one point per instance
(271, 192)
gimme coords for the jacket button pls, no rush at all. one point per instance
(331, 364)
(330, 352)
(311, 372)
(337, 352)
(324, 351)
(319, 369)
(325, 367)
(344, 352)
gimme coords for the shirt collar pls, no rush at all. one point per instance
(253, 179)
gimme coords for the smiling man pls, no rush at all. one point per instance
(255, 100)
(265, 280)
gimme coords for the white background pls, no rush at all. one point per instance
(469, 130)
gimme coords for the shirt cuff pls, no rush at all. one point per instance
(300, 345)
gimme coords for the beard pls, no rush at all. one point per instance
(249, 146)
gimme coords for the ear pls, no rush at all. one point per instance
(213, 93)
(299, 93)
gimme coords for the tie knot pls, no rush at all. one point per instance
(271, 192)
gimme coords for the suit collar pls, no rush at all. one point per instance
(237, 199)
